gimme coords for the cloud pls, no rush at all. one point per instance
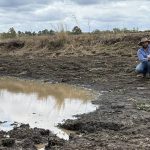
(16, 3)
(102, 14)
(93, 2)
(32, 12)
(86, 2)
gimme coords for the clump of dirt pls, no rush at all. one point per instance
(90, 127)
(24, 137)
(54, 143)
(10, 142)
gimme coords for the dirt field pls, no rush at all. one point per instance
(104, 63)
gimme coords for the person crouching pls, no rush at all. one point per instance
(144, 57)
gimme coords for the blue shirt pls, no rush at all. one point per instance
(143, 54)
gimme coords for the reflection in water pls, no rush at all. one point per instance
(41, 105)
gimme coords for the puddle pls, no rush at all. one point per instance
(41, 105)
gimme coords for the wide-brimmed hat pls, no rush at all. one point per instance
(143, 40)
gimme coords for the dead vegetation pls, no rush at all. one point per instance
(63, 44)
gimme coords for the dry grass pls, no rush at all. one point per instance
(64, 44)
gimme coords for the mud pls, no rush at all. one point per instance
(41, 105)
(122, 119)
(24, 137)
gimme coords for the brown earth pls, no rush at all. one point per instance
(104, 63)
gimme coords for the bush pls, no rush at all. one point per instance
(58, 43)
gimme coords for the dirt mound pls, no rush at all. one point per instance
(90, 126)
(127, 38)
(11, 45)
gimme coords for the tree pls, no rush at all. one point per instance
(12, 33)
(40, 33)
(51, 32)
(135, 29)
(125, 30)
(116, 30)
(45, 32)
(96, 31)
(28, 33)
(76, 30)
(34, 33)
(19, 32)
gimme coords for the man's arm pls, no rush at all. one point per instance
(141, 57)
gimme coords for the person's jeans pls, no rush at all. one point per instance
(143, 67)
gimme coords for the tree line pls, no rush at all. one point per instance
(76, 30)
(12, 33)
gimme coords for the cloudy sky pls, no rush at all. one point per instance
(35, 15)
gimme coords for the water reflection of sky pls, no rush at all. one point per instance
(41, 105)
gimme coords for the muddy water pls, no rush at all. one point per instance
(41, 105)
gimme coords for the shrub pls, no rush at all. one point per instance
(57, 43)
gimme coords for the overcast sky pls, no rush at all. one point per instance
(35, 15)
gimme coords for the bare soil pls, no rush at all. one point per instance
(106, 65)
